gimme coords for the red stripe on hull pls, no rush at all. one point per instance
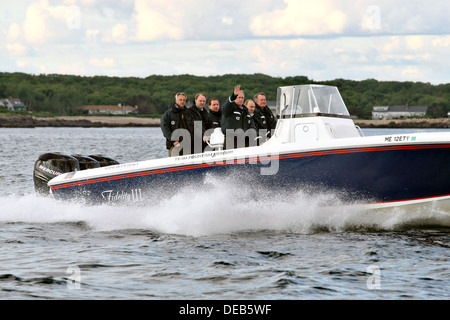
(251, 160)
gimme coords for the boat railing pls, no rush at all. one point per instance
(361, 133)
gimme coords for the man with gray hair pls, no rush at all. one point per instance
(263, 114)
(177, 126)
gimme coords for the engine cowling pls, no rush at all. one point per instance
(53, 164)
(49, 166)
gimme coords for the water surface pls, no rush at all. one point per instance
(221, 241)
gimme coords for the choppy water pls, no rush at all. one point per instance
(204, 244)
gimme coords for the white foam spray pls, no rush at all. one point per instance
(222, 206)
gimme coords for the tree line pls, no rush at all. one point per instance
(65, 94)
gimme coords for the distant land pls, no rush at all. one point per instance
(65, 95)
(28, 121)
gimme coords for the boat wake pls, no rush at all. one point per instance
(223, 206)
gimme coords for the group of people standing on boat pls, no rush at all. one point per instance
(244, 123)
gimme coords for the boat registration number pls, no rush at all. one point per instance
(399, 138)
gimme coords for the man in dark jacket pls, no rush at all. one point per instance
(261, 130)
(215, 113)
(202, 122)
(263, 114)
(237, 123)
(178, 142)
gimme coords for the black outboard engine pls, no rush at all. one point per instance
(104, 161)
(86, 162)
(49, 166)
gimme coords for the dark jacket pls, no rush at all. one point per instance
(199, 116)
(176, 118)
(266, 118)
(216, 118)
(261, 129)
(235, 117)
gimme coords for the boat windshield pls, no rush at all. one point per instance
(310, 100)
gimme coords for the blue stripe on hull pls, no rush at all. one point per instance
(372, 176)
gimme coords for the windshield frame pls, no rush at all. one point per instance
(310, 100)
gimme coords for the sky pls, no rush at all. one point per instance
(387, 40)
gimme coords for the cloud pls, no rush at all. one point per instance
(441, 42)
(321, 39)
(331, 18)
(14, 32)
(34, 26)
(415, 42)
(105, 63)
(301, 18)
(227, 20)
(22, 63)
(118, 34)
(16, 49)
(415, 17)
(45, 24)
(152, 24)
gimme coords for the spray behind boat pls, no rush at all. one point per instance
(51, 165)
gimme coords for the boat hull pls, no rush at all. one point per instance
(376, 175)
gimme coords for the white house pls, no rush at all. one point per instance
(13, 104)
(396, 112)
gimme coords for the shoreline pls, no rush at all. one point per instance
(441, 123)
(25, 121)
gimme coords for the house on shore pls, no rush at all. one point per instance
(110, 110)
(398, 112)
(13, 104)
